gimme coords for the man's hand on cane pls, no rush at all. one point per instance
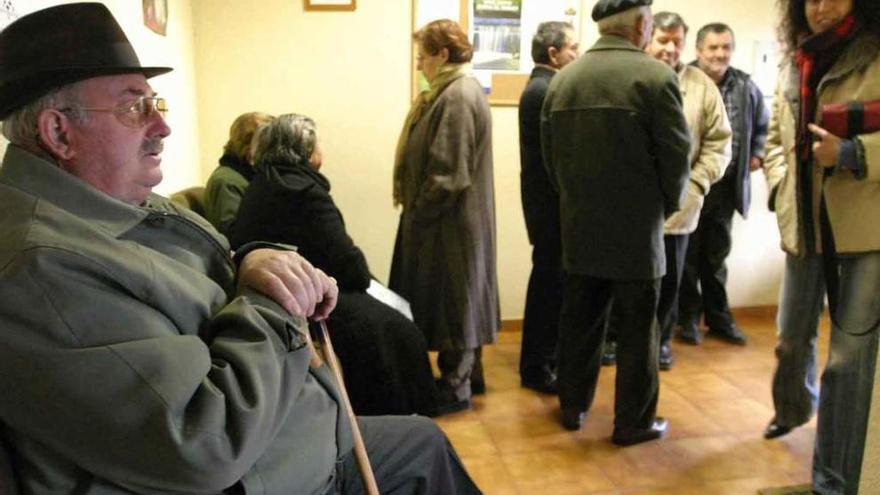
(291, 281)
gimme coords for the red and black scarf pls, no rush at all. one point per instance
(815, 56)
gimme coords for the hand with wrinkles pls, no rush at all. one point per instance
(291, 281)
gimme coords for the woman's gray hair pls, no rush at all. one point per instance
(290, 137)
(20, 127)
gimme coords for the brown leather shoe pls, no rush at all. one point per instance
(625, 438)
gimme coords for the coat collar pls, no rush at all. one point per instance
(614, 42)
(46, 181)
(863, 50)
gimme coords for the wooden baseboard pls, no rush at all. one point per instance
(515, 325)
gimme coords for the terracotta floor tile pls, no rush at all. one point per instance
(561, 471)
(716, 397)
(739, 415)
(470, 437)
(491, 475)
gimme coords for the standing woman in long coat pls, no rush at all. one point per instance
(444, 257)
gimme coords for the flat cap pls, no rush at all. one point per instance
(607, 8)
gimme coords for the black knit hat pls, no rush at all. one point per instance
(60, 45)
(607, 8)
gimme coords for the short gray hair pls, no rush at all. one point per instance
(551, 34)
(290, 137)
(622, 22)
(20, 127)
(669, 21)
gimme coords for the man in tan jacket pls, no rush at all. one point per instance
(709, 155)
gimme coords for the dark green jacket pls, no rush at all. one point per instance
(224, 190)
(615, 142)
(128, 366)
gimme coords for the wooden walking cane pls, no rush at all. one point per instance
(360, 450)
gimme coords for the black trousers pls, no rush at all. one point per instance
(705, 266)
(543, 304)
(585, 305)
(667, 306)
(409, 456)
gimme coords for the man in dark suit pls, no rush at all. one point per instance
(553, 47)
(710, 244)
(615, 143)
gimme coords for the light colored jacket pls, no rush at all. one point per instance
(710, 150)
(127, 366)
(853, 204)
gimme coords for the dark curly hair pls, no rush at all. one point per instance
(794, 25)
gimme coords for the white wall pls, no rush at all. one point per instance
(179, 86)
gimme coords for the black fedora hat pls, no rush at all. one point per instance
(60, 45)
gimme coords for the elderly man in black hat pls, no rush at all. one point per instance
(136, 355)
(615, 142)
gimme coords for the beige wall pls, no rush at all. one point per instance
(350, 72)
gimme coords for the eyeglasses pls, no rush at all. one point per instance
(135, 114)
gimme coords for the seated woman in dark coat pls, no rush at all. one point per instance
(383, 354)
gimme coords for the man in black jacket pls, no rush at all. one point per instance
(710, 244)
(553, 47)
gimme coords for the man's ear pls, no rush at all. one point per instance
(54, 134)
(552, 52)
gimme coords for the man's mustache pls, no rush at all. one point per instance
(153, 146)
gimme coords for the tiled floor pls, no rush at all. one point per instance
(717, 400)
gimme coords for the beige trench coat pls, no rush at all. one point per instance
(853, 204)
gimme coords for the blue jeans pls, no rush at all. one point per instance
(795, 396)
(848, 380)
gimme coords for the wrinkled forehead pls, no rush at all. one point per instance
(115, 88)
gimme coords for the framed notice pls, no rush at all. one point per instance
(501, 32)
(496, 34)
(156, 15)
(330, 4)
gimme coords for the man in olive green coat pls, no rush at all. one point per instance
(135, 356)
(615, 142)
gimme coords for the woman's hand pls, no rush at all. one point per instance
(825, 146)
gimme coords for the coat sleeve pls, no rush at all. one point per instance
(869, 155)
(451, 155)
(222, 199)
(129, 396)
(714, 151)
(774, 159)
(547, 136)
(331, 248)
(670, 134)
(760, 121)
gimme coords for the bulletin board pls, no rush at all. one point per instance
(501, 31)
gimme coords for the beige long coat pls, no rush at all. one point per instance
(444, 257)
(853, 204)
